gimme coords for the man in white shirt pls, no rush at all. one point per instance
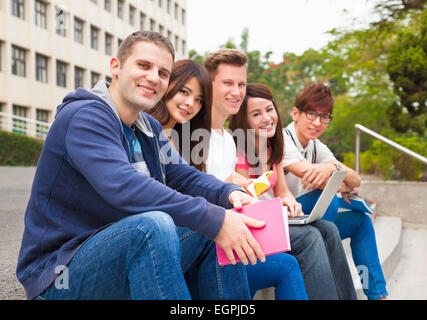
(311, 244)
(308, 164)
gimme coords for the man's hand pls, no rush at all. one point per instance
(234, 236)
(239, 198)
(317, 175)
(347, 191)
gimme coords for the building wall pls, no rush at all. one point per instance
(167, 16)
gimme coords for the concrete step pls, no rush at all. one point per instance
(409, 279)
(388, 231)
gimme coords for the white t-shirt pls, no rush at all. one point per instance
(222, 157)
(314, 152)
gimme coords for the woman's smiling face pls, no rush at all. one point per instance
(262, 117)
(187, 102)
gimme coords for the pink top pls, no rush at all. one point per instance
(242, 163)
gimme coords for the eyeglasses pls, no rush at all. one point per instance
(312, 115)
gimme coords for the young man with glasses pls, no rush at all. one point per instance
(308, 164)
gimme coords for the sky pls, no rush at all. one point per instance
(276, 25)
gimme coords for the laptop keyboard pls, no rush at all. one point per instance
(299, 217)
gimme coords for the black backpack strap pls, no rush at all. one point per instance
(313, 159)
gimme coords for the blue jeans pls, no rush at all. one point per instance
(358, 227)
(145, 256)
(280, 271)
(320, 254)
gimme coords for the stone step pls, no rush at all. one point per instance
(388, 231)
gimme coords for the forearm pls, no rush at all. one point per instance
(352, 179)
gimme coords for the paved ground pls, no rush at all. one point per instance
(15, 186)
(409, 280)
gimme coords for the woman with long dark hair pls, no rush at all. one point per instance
(187, 104)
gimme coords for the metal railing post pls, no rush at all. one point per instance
(357, 159)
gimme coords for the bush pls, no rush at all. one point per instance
(19, 150)
(389, 162)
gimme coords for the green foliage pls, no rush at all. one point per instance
(387, 161)
(378, 77)
(407, 68)
(395, 165)
(19, 150)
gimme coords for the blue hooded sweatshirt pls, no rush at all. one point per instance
(84, 182)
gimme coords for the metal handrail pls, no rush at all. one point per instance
(385, 140)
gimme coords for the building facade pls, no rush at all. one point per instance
(51, 47)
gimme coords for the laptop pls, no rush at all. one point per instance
(323, 201)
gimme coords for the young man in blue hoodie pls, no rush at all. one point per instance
(101, 222)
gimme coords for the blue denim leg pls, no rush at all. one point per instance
(337, 259)
(309, 249)
(206, 279)
(358, 226)
(308, 200)
(280, 271)
(135, 258)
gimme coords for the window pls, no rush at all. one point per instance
(120, 7)
(94, 78)
(78, 30)
(18, 61)
(161, 29)
(141, 21)
(19, 125)
(119, 43)
(108, 44)
(40, 14)
(176, 11)
(107, 78)
(78, 77)
(61, 74)
(94, 37)
(41, 68)
(168, 6)
(94, 1)
(152, 24)
(107, 5)
(132, 11)
(176, 43)
(61, 21)
(183, 47)
(41, 129)
(183, 16)
(18, 8)
(160, 3)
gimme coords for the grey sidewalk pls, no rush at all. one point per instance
(15, 186)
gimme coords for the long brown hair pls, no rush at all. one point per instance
(240, 120)
(183, 71)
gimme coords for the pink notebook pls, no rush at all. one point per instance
(274, 236)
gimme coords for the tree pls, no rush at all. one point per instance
(407, 68)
